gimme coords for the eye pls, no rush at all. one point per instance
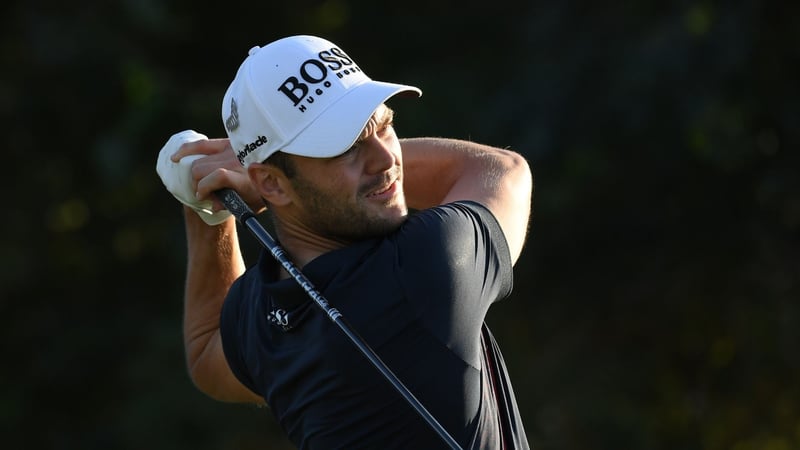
(387, 128)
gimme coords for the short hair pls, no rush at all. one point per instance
(283, 162)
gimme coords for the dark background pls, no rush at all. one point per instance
(656, 303)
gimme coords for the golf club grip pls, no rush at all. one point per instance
(235, 204)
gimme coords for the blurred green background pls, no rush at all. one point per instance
(656, 303)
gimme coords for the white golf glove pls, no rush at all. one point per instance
(177, 177)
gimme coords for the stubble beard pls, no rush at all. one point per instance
(344, 218)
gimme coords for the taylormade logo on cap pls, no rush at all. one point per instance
(302, 95)
(249, 148)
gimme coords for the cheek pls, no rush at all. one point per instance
(393, 143)
(398, 156)
(342, 182)
(337, 187)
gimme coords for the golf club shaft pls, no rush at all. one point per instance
(234, 203)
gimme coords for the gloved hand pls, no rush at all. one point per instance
(177, 177)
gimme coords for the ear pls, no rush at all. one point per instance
(271, 182)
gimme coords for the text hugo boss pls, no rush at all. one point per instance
(251, 147)
(315, 71)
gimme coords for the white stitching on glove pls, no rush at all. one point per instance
(177, 177)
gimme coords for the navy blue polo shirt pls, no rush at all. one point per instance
(418, 297)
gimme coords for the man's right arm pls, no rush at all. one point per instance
(214, 263)
(193, 168)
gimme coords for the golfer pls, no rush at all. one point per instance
(412, 240)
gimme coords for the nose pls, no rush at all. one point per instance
(380, 156)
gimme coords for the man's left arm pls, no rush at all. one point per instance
(438, 171)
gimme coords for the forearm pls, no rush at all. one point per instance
(438, 171)
(427, 177)
(214, 262)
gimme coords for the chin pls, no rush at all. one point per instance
(396, 214)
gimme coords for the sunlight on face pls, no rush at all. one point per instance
(357, 194)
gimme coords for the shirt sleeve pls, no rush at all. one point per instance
(455, 263)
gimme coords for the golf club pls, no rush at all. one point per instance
(236, 205)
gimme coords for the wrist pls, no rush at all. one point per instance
(193, 218)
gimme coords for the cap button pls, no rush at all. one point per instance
(253, 50)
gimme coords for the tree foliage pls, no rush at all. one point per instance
(656, 302)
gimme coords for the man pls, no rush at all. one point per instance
(310, 137)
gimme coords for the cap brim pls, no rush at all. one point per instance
(337, 128)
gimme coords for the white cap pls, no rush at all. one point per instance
(301, 95)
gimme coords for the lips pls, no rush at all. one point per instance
(384, 191)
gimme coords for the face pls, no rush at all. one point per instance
(358, 194)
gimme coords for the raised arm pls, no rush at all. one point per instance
(214, 263)
(438, 171)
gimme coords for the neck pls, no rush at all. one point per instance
(303, 246)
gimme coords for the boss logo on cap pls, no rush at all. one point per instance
(314, 73)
